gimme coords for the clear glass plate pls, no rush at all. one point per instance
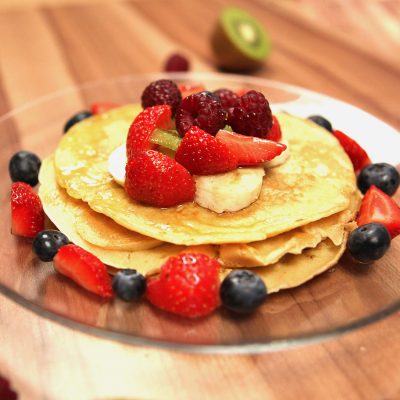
(345, 298)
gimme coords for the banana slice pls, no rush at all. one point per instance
(231, 191)
(117, 163)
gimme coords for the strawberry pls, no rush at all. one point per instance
(380, 208)
(143, 126)
(156, 179)
(100, 108)
(275, 133)
(84, 268)
(357, 154)
(27, 216)
(187, 89)
(250, 150)
(188, 285)
(202, 154)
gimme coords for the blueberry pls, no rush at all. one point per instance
(24, 167)
(383, 176)
(321, 121)
(242, 291)
(76, 118)
(129, 284)
(47, 243)
(368, 242)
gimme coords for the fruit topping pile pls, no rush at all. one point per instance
(198, 138)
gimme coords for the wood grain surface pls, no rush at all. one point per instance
(324, 46)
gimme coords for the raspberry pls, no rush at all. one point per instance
(176, 63)
(203, 154)
(161, 92)
(155, 179)
(227, 98)
(188, 285)
(6, 392)
(202, 110)
(252, 116)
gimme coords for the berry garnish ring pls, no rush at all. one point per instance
(129, 316)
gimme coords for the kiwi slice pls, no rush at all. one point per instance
(169, 139)
(239, 41)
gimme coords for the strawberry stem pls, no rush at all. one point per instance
(166, 138)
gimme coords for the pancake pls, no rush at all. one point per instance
(68, 213)
(317, 181)
(270, 251)
(294, 270)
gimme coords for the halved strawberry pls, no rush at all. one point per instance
(84, 268)
(188, 285)
(144, 125)
(202, 154)
(187, 89)
(275, 132)
(380, 208)
(357, 154)
(100, 108)
(250, 150)
(27, 216)
(158, 180)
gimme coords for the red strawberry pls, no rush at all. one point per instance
(187, 89)
(84, 268)
(202, 154)
(188, 285)
(357, 154)
(27, 216)
(143, 126)
(250, 150)
(156, 179)
(380, 208)
(275, 132)
(100, 108)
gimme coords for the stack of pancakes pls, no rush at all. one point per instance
(295, 230)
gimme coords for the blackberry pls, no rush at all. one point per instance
(176, 63)
(200, 109)
(227, 98)
(252, 116)
(161, 92)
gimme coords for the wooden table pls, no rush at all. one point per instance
(350, 50)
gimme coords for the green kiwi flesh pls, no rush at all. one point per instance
(239, 41)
